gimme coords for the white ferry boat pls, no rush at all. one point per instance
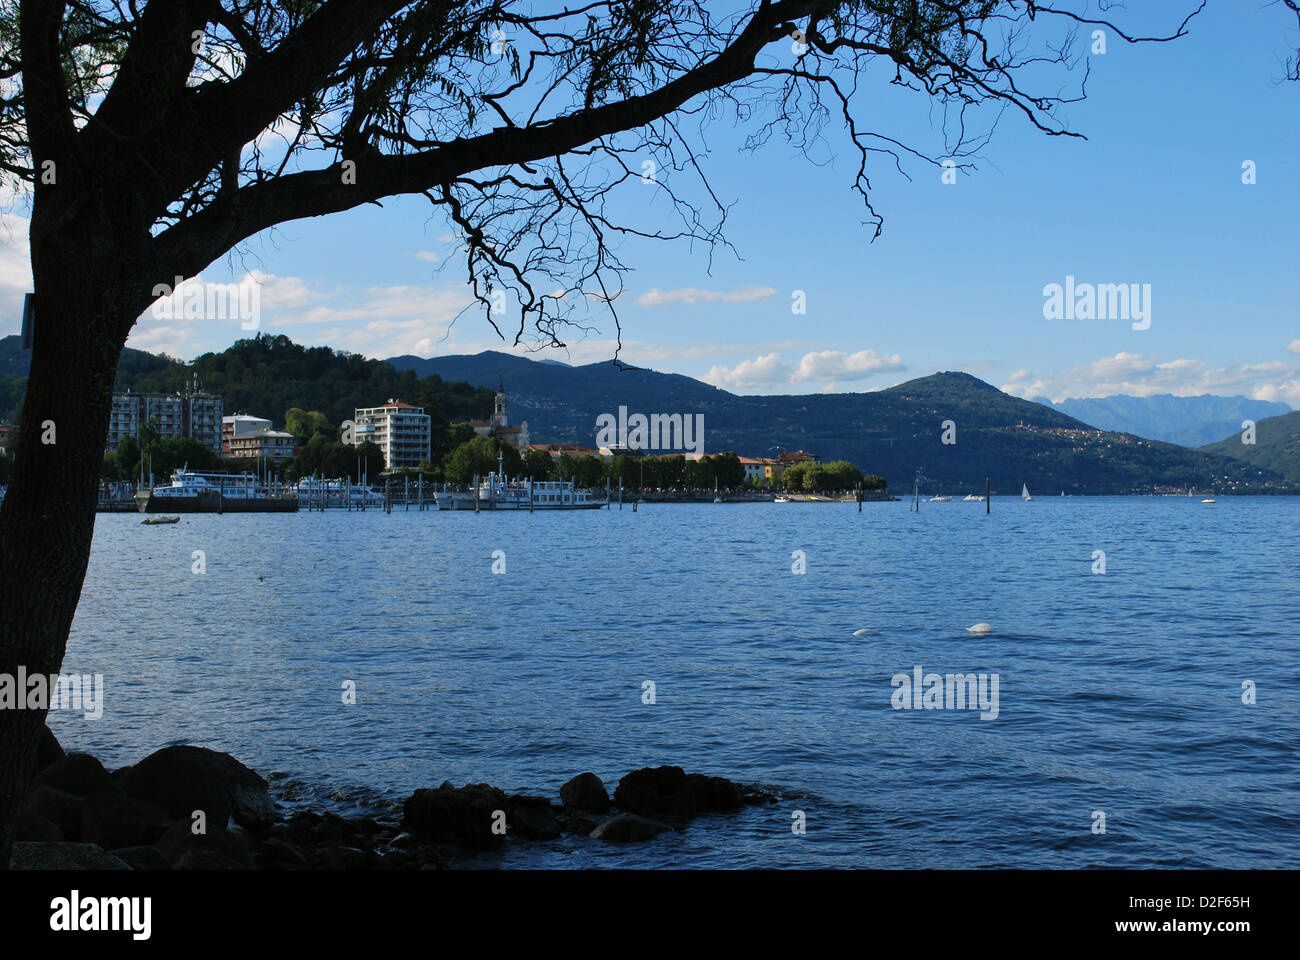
(499, 492)
(194, 492)
(315, 491)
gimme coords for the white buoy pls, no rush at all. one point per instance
(980, 628)
(861, 633)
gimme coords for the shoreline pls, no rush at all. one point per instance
(194, 808)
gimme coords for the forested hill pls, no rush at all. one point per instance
(892, 432)
(1276, 446)
(267, 375)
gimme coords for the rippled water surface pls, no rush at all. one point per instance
(1119, 693)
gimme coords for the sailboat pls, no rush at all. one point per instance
(716, 498)
(1024, 492)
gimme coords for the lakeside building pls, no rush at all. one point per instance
(195, 414)
(245, 436)
(763, 469)
(272, 444)
(791, 457)
(499, 426)
(240, 425)
(400, 429)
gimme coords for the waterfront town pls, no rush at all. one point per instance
(394, 439)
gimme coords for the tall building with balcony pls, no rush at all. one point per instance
(272, 444)
(401, 430)
(196, 414)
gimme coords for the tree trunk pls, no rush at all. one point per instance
(48, 515)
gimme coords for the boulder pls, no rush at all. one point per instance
(114, 822)
(626, 827)
(656, 791)
(32, 826)
(251, 805)
(586, 791)
(48, 749)
(142, 858)
(79, 774)
(64, 810)
(328, 858)
(532, 818)
(580, 823)
(201, 859)
(713, 794)
(357, 859)
(182, 779)
(62, 856)
(277, 854)
(462, 815)
(181, 840)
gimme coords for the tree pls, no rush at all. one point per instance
(127, 457)
(155, 136)
(537, 465)
(304, 424)
(168, 455)
(479, 457)
(728, 471)
(792, 477)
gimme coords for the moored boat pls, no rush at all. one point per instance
(194, 492)
(499, 492)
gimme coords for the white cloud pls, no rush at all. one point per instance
(1294, 346)
(830, 366)
(1142, 376)
(428, 256)
(760, 372)
(835, 364)
(172, 338)
(691, 295)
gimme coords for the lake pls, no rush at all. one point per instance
(1119, 693)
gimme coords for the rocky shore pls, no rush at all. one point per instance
(192, 808)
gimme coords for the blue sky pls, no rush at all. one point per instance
(955, 282)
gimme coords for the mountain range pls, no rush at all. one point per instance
(893, 432)
(953, 428)
(1187, 421)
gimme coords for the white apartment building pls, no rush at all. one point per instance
(401, 430)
